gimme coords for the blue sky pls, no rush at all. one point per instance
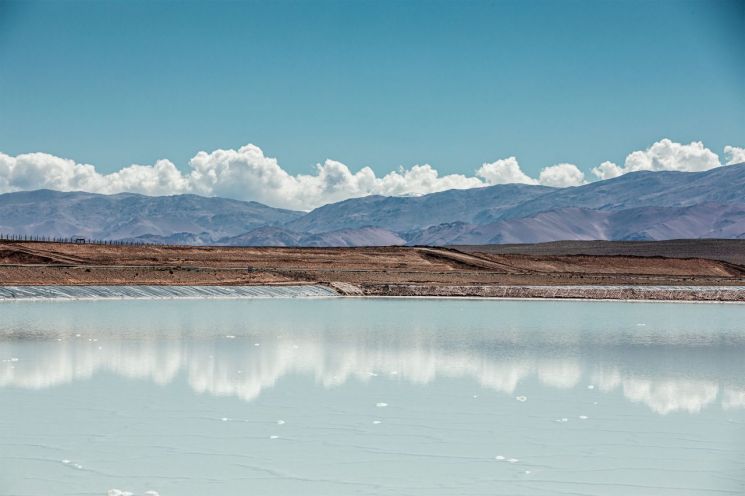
(380, 84)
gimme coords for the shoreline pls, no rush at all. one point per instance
(160, 292)
(578, 292)
(680, 294)
(423, 271)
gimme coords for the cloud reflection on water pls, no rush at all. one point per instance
(245, 365)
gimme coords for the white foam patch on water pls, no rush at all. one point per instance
(583, 417)
(273, 437)
(280, 422)
(376, 422)
(513, 460)
(522, 399)
(381, 405)
(499, 457)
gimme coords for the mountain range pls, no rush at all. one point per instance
(636, 206)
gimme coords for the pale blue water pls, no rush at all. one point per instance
(382, 397)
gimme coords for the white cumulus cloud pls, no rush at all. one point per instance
(561, 176)
(664, 155)
(607, 170)
(40, 170)
(248, 174)
(244, 174)
(504, 171)
(734, 154)
(508, 171)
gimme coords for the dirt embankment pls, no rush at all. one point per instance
(373, 271)
(727, 250)
(660, 293)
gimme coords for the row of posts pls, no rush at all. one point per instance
(73, 240)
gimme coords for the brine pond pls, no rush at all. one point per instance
(340, 396)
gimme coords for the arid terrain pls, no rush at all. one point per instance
(471, 271)
(728, 250)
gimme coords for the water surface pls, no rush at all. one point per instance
(371, 396)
